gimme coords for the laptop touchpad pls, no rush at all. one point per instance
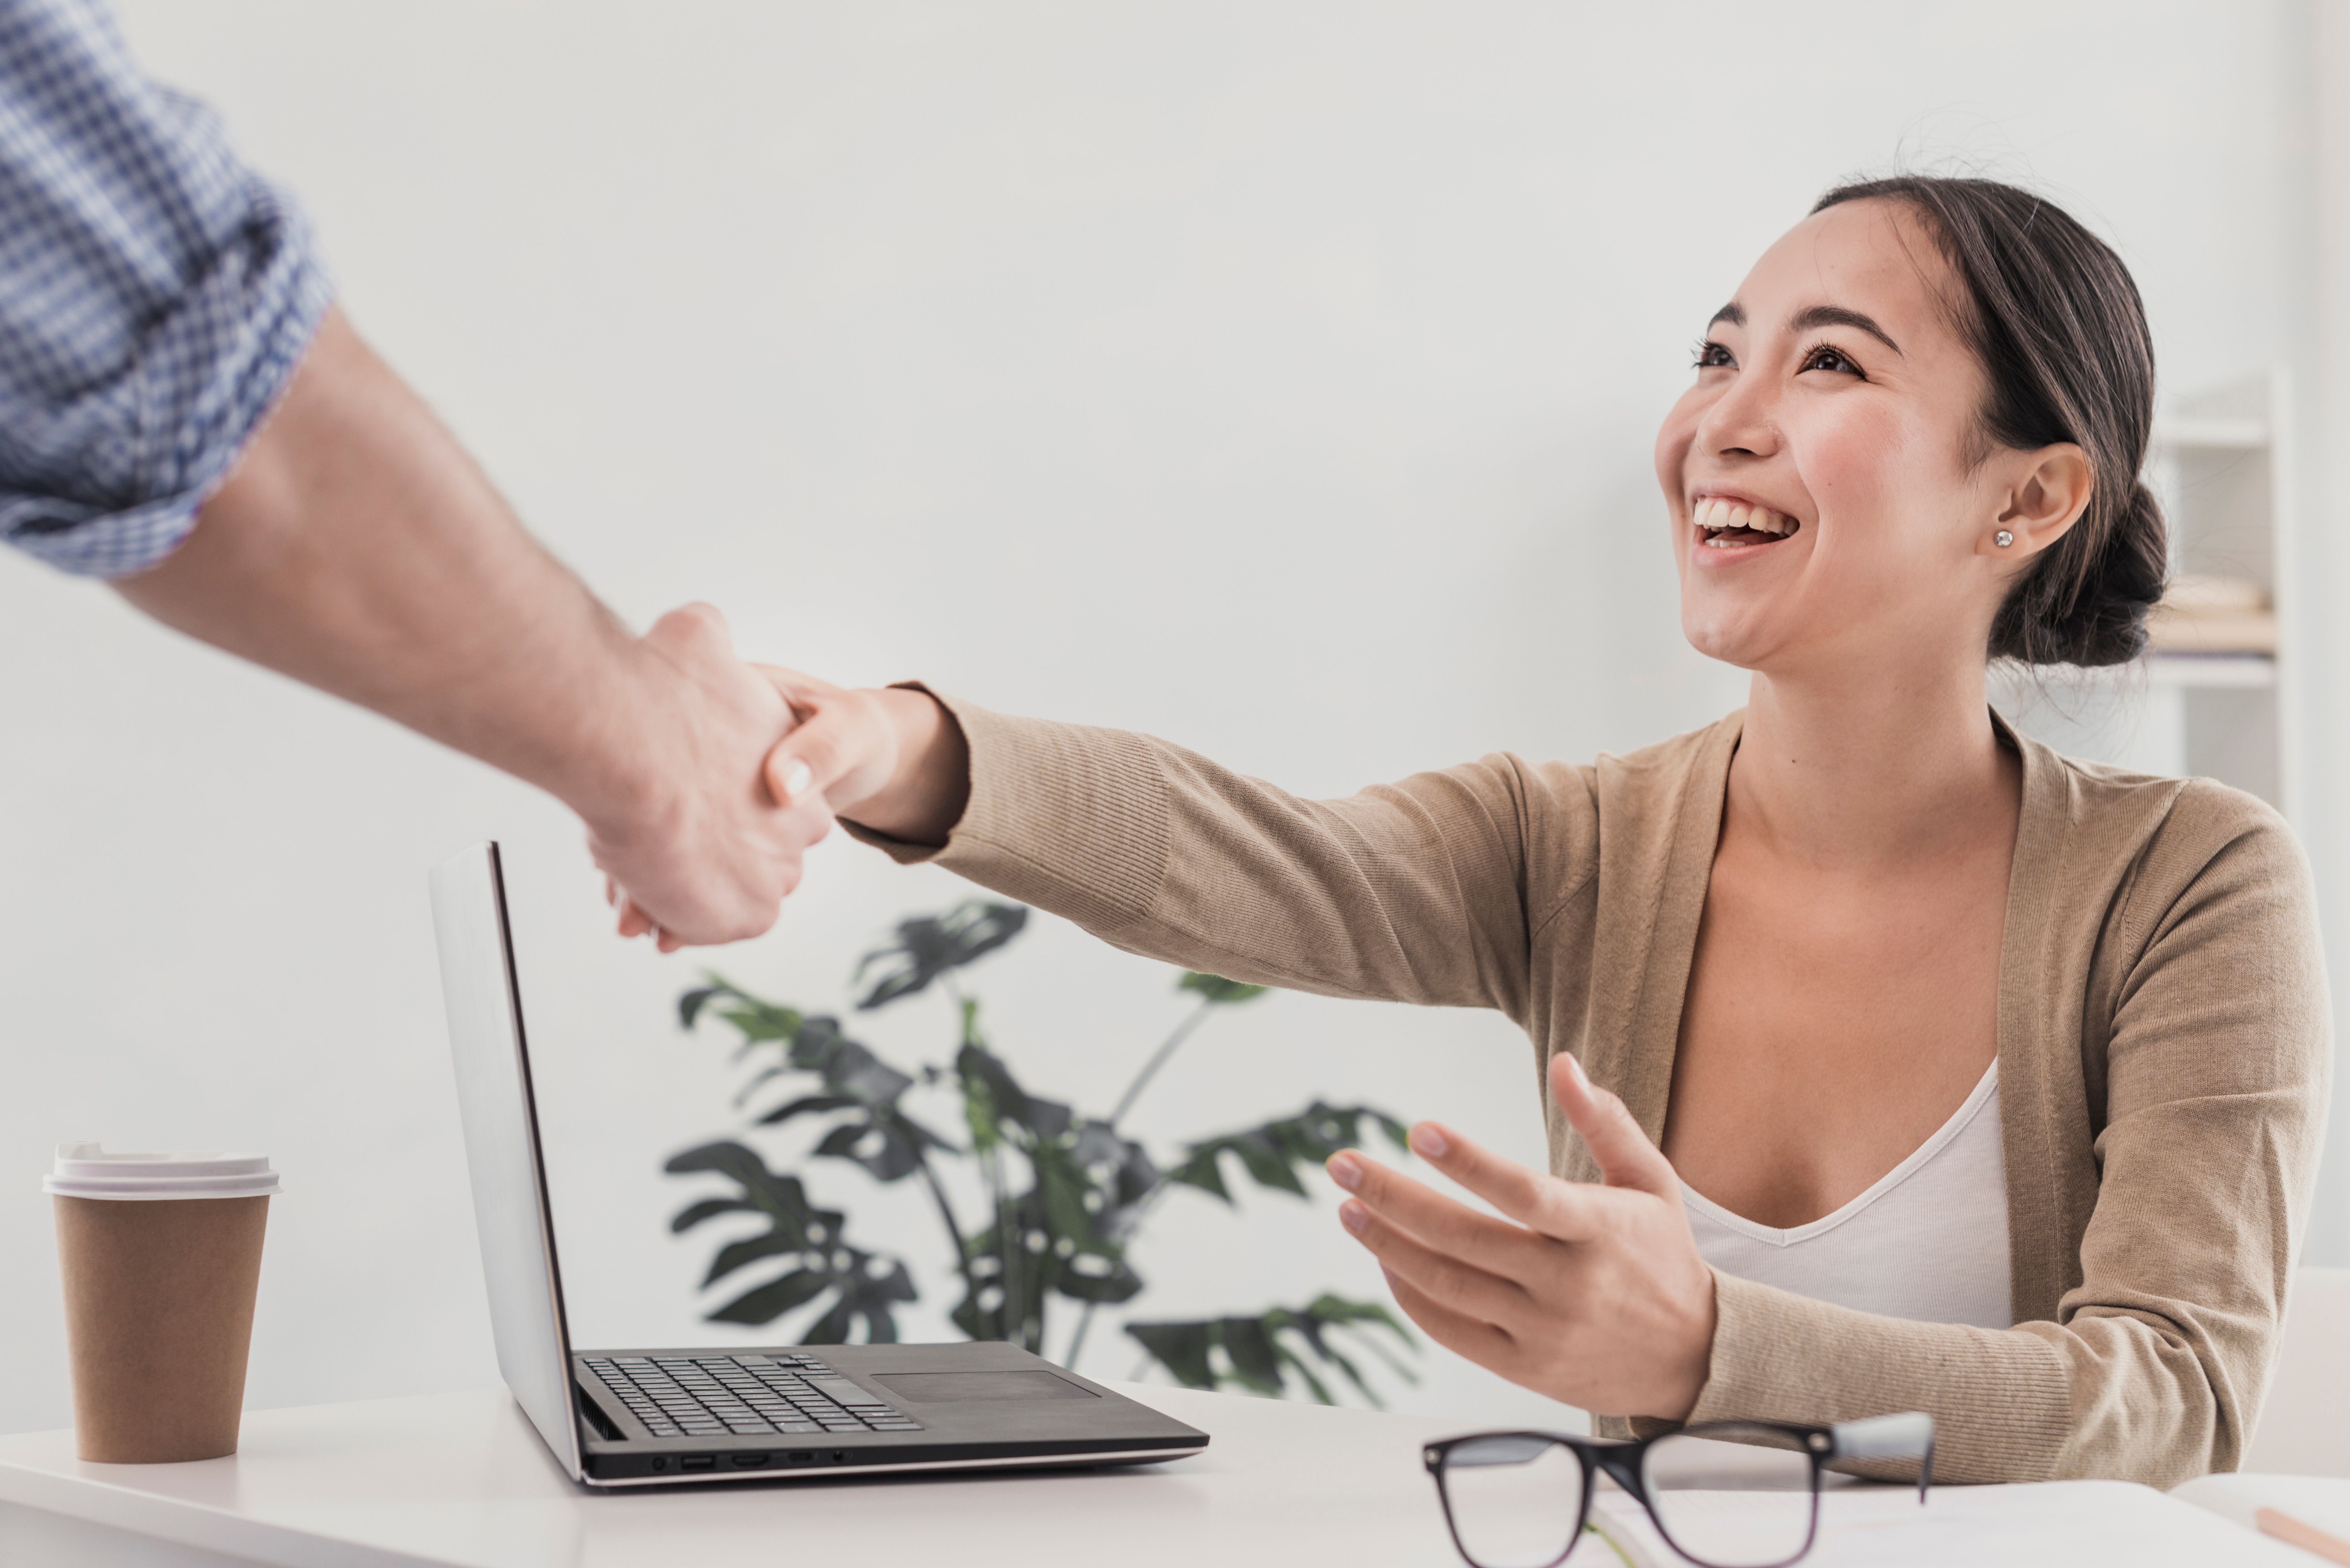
(951, 1387)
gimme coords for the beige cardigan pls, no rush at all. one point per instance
(2164, 1043)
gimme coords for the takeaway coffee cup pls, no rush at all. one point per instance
(161, 1257)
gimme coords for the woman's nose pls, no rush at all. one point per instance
(1743, 420)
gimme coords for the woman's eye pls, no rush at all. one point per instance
(1825, 358)
(1712, 354)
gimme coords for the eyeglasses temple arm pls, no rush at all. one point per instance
(1905, 1436)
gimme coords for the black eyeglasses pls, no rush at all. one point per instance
(1724, 1494)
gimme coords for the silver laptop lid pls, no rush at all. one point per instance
(502, 1151)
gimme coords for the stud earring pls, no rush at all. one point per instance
(2002, 538)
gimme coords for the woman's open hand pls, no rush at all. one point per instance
(1592, 1295)
(891, 759)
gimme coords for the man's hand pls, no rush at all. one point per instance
(700, 851)
(1592, 1295)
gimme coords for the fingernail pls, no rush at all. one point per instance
(1575, 1065)
(1354, 1216)
(797, 778)
(1428, 1142)
(1345, 1171)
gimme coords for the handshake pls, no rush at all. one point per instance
(704, 811)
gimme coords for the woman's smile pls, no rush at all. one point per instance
(1738, 524)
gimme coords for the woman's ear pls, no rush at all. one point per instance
(2047, 493)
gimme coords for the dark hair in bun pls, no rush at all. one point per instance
(2055, 318)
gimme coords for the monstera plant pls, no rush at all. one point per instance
(1036, 1204)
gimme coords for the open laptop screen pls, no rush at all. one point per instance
(502, 1148)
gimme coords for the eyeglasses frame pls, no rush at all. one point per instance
(1909, 1435)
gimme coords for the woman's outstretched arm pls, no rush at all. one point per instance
(1429, 890)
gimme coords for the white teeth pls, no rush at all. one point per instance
(1715, 512)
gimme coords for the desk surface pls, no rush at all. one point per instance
(461, 1478)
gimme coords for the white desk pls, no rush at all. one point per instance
(459, 1478)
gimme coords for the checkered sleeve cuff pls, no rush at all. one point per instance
(155, 297)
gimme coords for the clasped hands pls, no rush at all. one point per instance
(1592, 1294)
(737, 770)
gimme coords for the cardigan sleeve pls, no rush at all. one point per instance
(2207, 1051)
(1415, 891)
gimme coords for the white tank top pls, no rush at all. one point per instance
(1928, 1241)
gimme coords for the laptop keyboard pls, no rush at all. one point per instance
(743, 1396)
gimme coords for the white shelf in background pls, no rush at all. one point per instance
(2217, 695)
(2215, 433)
(2209, 672)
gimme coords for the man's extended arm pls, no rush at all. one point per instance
(357, 548)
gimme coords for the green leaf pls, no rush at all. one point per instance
(807, 1105)
(1180, 1347)
(1249, 1344)
(1276, 1154)
(735, 1254)
(1327, 1308)
(761, 1023)
(774, 1299)
(856, 1071)
(871, 1146)
(865, 1288)
(707, 1208)
(1269, 1163)
(1205, 1171)
(928, 946)
(1262, 1353)
(758, 1020)
(866, 1298)
(1116, 1282)
(1295, 1363)
(690, 1005)
(1215, 988)
(1006, 1101)
(728, 1158)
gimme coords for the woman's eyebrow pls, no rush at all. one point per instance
(1837, 315)
(1733, 313)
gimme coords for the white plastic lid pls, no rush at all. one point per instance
(85, 1170)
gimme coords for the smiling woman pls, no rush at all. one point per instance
(1894, 1061)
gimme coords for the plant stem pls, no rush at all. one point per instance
(946, 1215)
(1078, 1340)
(1158, 1059)
(1007, 1252)
(1135, 1213)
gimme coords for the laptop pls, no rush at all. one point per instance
(634, 1418)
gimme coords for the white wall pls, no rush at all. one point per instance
(2318, 347)
(1277, 379)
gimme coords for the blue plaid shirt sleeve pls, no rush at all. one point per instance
(155, 296)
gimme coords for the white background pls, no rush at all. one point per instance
(1277, 377)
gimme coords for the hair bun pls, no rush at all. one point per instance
(2104, 621)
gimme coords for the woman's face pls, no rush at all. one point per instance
(1824, 509)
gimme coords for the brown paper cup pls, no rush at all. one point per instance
(158, 1315)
